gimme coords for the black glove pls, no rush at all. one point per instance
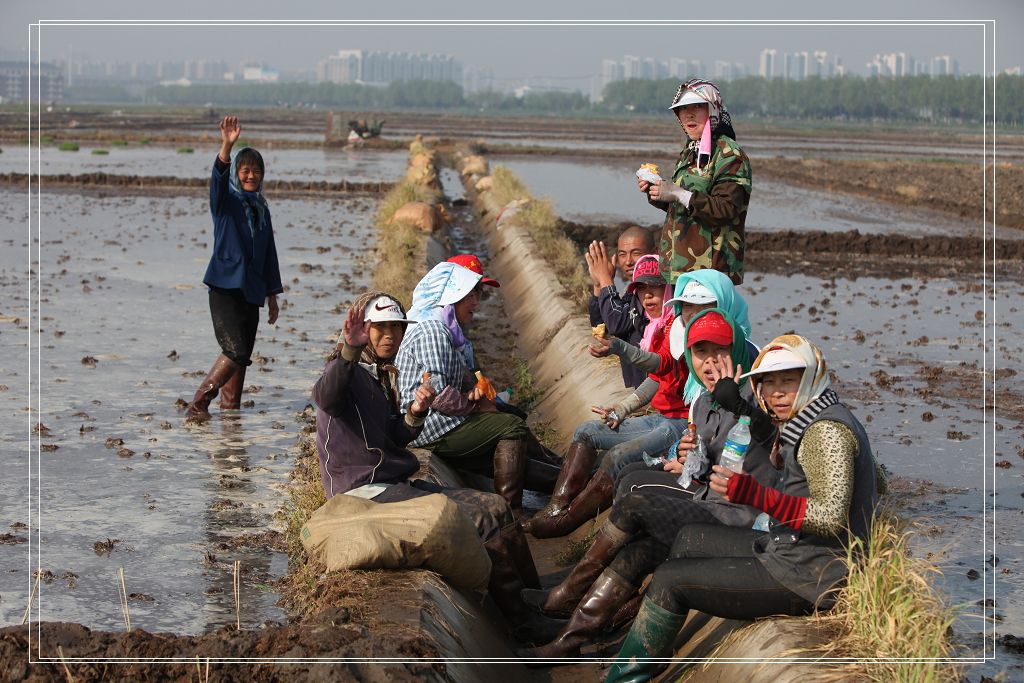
(727, 395)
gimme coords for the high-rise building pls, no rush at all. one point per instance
(362, 66)
(766, 68)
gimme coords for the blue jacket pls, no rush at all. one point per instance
(242, 259)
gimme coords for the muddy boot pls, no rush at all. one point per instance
(221, 371)
(506, 584)
(540, 476)
(535, 450)
(231, 392)
(594, 612)
(522, 558)
(627, 613)
(653, 633)
(509, 473)
(579, 461)
(596, 497)
(561, 600)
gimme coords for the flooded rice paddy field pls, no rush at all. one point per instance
(606, 192)
(330, 164)
(125, 332)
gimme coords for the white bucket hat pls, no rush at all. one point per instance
(694, 293)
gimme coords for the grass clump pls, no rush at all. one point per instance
(68, 146)
(538, 217)
(890, 609)
(100, 152)
(185, 150)
(118, 143)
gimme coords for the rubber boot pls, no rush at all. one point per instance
(221, 371)
(561, 600)
(653, 633)
(595, 611)
(522, 558)
(231, 392)
(575, 472)
(540, 476)
(596, 497)
(506, 584)
(627, 613)
(510, 472)
(535, 450)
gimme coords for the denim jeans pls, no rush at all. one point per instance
(650, 434)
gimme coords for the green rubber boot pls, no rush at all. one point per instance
(654, 630)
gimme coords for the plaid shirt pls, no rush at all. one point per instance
(428, 347)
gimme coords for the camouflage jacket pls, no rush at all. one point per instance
(710, 233)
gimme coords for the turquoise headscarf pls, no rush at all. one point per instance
(726, 296)
(740, 357)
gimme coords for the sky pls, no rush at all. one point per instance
(568, 53)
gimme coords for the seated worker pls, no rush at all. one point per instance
(622, 315)
(464, 427)
(644, 522)
(827, 500)
(361, 437)
(623, 439)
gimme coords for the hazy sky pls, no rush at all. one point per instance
(513, 52)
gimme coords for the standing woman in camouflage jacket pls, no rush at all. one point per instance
(705, 200)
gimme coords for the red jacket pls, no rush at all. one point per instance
(670, 376)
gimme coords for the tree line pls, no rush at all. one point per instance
(912, 98)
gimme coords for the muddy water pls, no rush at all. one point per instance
(607, 192)
(333, 165)
(120, 283)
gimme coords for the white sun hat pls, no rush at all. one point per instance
(777, 359)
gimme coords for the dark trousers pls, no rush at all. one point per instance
(713, 569)
(234, 323)
(488, 511)
(652, 479)
(653, 521)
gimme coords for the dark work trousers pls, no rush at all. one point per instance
(652, 479)
(234, 322)
(713, 569)
(653, 521)
(488, 511)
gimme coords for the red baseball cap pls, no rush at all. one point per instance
(471, 262)
(710, 327)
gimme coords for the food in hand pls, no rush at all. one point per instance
(600, 331)
(649, 173)
(426, 377)
(485, 386)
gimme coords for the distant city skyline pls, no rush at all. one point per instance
(563, 55)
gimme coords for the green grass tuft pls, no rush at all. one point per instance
(68, 146)
(185, 150)
(101, 152)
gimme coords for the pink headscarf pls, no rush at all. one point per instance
(647, 271)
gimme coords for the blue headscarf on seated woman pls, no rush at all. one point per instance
(726, 299)
(435, 296)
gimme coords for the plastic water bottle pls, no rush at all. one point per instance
(736, 443)
(505, 396)
(699, 452)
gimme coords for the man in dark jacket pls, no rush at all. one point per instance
(621, 313)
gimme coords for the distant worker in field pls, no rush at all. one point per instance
(243, 273)
(705, 199)
(622, 314)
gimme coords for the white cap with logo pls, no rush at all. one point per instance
(384, 309)
(694, 293)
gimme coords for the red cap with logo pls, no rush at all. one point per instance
(471, 262)
(647, 271)
(710, 327)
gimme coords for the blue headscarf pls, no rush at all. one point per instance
(726, 296)
(252, 201)
(435, 296)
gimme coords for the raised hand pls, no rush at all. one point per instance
(722, 367)
(230, 129)
(356, 329)
(601, 267)
(608, 415)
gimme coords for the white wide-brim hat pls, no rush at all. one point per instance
(694, 293)
(776, 360)
(689, 97)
